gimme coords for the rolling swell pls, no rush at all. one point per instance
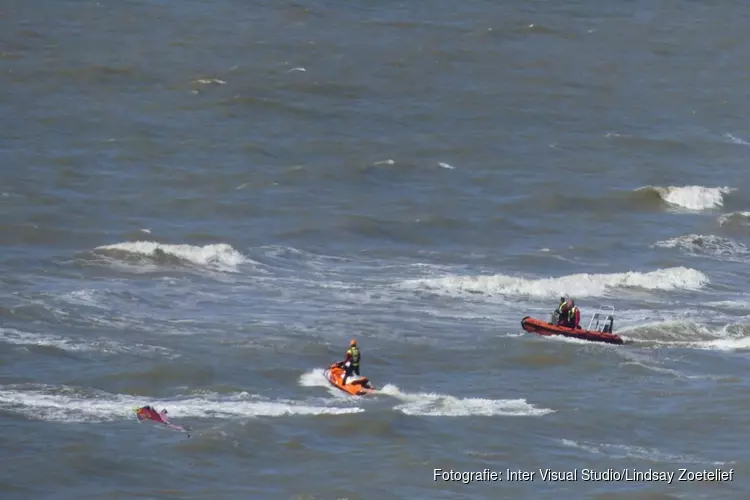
(687, 197)
(709, 246)
(578, 285)
(735, 223)
(608, 202)
(149, 254)
(413, 229)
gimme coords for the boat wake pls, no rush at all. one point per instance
(435, 404)
(692, 335)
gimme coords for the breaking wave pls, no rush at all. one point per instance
(219, 255)
(577, 285)
(690, 197)
(740, 219)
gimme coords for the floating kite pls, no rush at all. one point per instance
(149, 413)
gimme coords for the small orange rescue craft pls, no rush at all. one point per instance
(356, 386)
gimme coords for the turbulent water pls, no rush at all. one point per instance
(203, 202)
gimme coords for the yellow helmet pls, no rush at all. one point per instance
(352, 343)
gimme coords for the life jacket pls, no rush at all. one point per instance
(354, 353)
(572, 315)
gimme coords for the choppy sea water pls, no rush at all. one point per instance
(203, 202)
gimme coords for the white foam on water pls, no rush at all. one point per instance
(739, 218)
(660, 369)
(707, 245)
(575, 285)
(692, 197)
(314, 378)
(573, 340)
(219, 255)
(101, 345)
(209, 81)
(433, 404)
(64, 404)
(621, 451)
(83, 298)
(736, 140)
(654, 360)
(740, 305)
(669, 330)
(724, 344)
(693, 335)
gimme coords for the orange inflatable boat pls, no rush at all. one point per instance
(599, 330)
(356, 386)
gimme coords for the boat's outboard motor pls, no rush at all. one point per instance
(554, 317)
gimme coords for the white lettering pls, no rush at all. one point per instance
(706, 475)
(466, 477)
(553, 475)
(519, 475)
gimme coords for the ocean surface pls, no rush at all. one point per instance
(203, 202)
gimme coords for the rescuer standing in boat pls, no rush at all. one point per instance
(562, 312)
(574, 315)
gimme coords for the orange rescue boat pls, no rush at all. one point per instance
(599, 330)
(356, 386)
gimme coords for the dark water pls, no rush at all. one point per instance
(203, 202)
